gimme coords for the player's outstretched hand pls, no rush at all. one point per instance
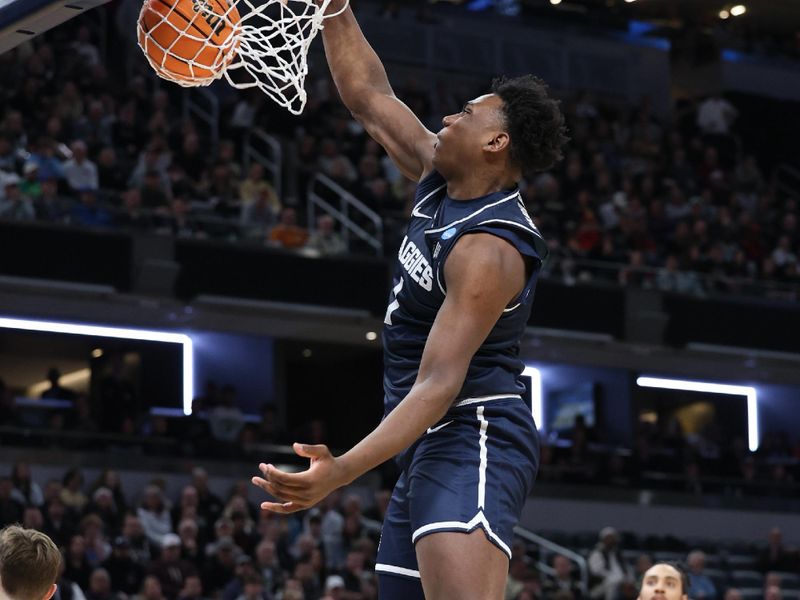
(299, 491)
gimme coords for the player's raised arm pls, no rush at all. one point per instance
(365, 90)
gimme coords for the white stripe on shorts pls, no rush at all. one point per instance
(478, 520)
(381, 568)
(466, 401)
(482, 469)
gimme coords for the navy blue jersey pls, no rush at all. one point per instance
(418, 289)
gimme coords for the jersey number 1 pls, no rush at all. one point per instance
(394, 304)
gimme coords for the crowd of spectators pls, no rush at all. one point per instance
(102, 418)
(672, 202)
(195, 545)
(150, 547)
(678, 200)
(617, 562)
(80, 145)
(664, 457)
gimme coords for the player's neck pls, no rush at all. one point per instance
(476, 185)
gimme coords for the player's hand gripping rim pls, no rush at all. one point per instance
(299, 491)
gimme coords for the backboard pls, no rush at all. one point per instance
(22, 20)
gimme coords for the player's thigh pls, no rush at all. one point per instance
(459, 565)
(394, 587)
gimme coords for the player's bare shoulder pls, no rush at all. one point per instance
(485, 265)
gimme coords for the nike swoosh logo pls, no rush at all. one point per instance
(435, 429)
(416, 213)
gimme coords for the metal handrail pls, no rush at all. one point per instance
(542, 542)
(194, 100)
(342, 214)
(761, 485)
(273, 164)
(763, 285)
(86, 437)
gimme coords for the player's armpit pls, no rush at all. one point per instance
(392, 124)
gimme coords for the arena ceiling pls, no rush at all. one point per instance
(764, 15)
(768, 16)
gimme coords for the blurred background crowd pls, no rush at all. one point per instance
(687, 202)
(662, 456)
(682, 203)
(146, 544)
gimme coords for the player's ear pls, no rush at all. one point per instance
(499, 142)
(50, 592)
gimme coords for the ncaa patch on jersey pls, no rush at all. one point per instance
(449, 233)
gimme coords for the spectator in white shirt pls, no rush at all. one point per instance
(80, 172)
(226, 421)
(325, 240)
(607, 568)
(154, 515)
(782, 255)
(715, 116)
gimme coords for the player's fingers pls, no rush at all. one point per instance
(311, 451)
(277, 490)
(258, 482)
(282, 492)
(270, 487)
(295, 480)
(283, 508)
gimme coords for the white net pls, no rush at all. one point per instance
(195, 42)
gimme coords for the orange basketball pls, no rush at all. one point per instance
(188, 41)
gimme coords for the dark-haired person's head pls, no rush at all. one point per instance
(29, 564)
(515, 130)
(73, 478)
(664, 581)
(534, 121)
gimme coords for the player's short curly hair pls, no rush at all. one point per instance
(534, 120)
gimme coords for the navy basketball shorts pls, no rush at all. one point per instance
(474, 468)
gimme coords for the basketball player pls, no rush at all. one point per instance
(466, 270)
(664, 581)
(29, 564)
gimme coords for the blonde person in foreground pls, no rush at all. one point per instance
(29, 564)
(454, 417)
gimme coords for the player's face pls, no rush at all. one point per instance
(662, 582)
(460, 143)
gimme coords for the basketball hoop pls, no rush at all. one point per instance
(266, 45)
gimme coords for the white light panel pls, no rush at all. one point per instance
(714, 388)
(119, 333)
(537, 407)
